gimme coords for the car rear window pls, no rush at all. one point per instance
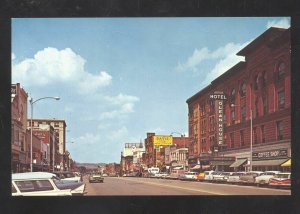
(35, 185)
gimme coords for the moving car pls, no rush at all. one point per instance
(265, 177)
(235, 177)
(282, 179)
(96, 178)
(249, 177)
(37, 184)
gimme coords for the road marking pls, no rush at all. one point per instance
(176, 187)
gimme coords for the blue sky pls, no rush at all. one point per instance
(119, 78)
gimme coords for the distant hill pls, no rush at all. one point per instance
(90, 165)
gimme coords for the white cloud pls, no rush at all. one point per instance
(225, 55)
(88, 138)
(194, 62)
(13, 56)
(50, 66)
(122, 104)
(282, 23)
(119, 134)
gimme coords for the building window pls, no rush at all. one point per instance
(243, 89)
(255, 82)
(56, 124)
(281, 70)
(263, 134)
(203, 141)
(211, 123)
(232, 96)
(203, 110)
(232, 140)
(265, 106)
(243, 113)
(281, 99)
(203, 126)
(264, 79)
(256, 107)
(254, 135)
(242, 138)
(279, 126)
(232, 116)
(212, 106)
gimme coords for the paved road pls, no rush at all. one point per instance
(126, 186)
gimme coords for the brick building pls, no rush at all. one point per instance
(19, 153)
(253, 94)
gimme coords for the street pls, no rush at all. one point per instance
(122, 186)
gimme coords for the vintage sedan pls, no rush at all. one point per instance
(188, 176)
(77, 188)
(96, 178)
(235, 177)
(249, 177)
(70, 176)
(281, 180)
(37, 184)
(221, 177)
(265, 177)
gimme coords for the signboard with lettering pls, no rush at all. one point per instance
(219, 97)
(162, 140)
(271, 154)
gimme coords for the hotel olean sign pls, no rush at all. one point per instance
(219, 97)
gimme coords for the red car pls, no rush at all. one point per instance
(281, 180)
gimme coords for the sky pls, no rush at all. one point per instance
(119, 78)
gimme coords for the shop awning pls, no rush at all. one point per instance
(196, 167)
(221, 163)
(269, 162)
(287, 163)
(238, 162)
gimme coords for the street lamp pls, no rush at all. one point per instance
(251, 140)
(31, 106)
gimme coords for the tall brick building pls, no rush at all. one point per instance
(256, 91)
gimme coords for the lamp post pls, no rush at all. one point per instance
(31, 126)
(251, 139)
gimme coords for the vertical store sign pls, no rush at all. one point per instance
(219, 97)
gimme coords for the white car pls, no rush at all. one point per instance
(265, 177)
(235, 177)
(188, 176)
(208, 175)
(221, 177)
(36, 184)
(68, 176)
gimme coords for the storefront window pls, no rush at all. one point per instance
(281, 99)
(281, 70)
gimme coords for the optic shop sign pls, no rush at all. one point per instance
(219, 97)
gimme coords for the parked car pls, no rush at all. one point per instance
(282, 179)
(235, 177)
(160, 175)
(96, 178)
(188, 176)
(66, 175)
(221, 177)
(208, 175)
(36, 184)
(249, 177)
(201, 176)
(265, 177)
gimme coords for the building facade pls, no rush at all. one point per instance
(245, 114)
(19, 153)
(60, 128)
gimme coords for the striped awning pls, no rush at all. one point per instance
(269, 162)
(238, 162)
(287, 163)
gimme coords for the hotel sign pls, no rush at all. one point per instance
(219, 97)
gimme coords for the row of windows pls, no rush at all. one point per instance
(258, 138)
